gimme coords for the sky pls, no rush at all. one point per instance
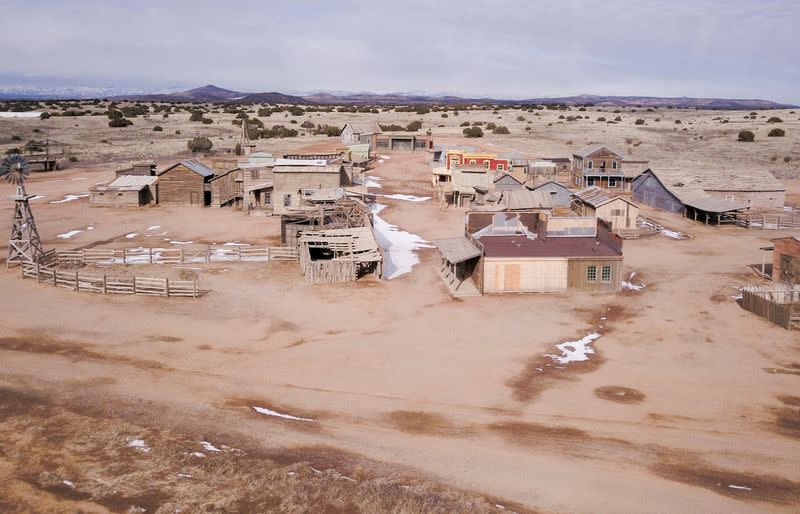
(499, 48)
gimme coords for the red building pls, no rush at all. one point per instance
(458, 159)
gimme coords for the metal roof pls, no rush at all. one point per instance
(525, 199)
(134, 180)
(689, 190)
(198, 167)
(596, 196)
(305, 167)
(554, 247)
(589, 150)
(457, 249)
(364, 127)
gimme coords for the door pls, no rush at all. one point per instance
(790, 269)
(511, 277)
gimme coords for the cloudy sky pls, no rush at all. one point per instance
(499, 48)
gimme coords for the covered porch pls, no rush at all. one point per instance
(460, 258)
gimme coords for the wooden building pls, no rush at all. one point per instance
(598, 165)
(147, 169)
(507, 182)
(560, 196)
(291, 178)
(125, 191)
(460, 159)
(257, 186)
(619, 212)
(786, 260)
(407, 141)
(359, 132)
(227, 188)
(185, 183)
(684, 193)
(531, 252)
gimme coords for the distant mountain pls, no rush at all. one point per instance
(211, 93)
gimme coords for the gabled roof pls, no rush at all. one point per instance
(365, 127)
(589, 150)
(128, 183)
(194, 165)
(721, 180)
(596, 196)
(525, 199)
(307, 168)
(509, 175)
(301, 162)
(691, 193)
(552, 183)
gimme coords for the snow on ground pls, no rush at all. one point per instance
(180, 242)
(209, 447)
(400, 247)
(574, 351)
(131, 235)
(407, 198)
(630, 285)
(38, 197)
(71, 198)
(68, 483)
(80, 178)
(672, 234)
(68, 235)
(740, 487)
(154, 227)
(139, 444)
(184, 475)
(198, 454)
(384, 157)
(372, 181)
(26, 114)
(268, 412)
(236, 243)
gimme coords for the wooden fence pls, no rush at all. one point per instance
(780, 304)
(104, 284)
(108, 256)
(762, 221)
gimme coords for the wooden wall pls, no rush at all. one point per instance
(181, 186)
(648, 190)
(786, 261)
(578, 274)
(515, 275)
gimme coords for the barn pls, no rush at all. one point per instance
(125, 191)
(507, 182)
(185, 183)
(359, 132)
(786, 260)
(616, 210)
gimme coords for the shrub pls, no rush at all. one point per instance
(414, 126)
(207, 121)
(774, 119)
(119, 122)
(640, 121)
(501, 130)
(787, 159)
(44, 115)
(165, 116)
(391, 128)
(296, 111)
(677, 122)
(464, 124)
(522, 118)
(527, 128)
(196, 116)
(582, 109)
(72, 158)
(561, 117)
(158, 128)
(473, 132)
(200, 144)
(177, 132)
(746, 136)
(11, 151)
(618, 118)
(491, 126)
(307, 125)
(776, 132)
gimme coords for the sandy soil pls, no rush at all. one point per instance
(689, 404)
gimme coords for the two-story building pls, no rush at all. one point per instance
(598, 165)
(292, 179)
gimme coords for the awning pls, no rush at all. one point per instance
(457, 249)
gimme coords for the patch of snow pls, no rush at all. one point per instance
(291, 473)
(154, 227)
(380, 161)
(184, 475)
(236, 243)
(407, 198)
(372, 183)
(71, 198)
(384, 157)
(400, 247)
(131, 235)
(68, 235)
(198, 454)
(179, 242)
(268, 412)
(90, 227)
(209, 447)
(632, 287)
(26, 114)
(139, 444)
(80, 178)
(574, 351)
(672, 234)
(740, 487)
(68, 483)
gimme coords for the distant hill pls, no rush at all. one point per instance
(212, 93)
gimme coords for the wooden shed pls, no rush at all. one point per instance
(185, 183)
(146, 169)
(125, 191)
(595, 201)
(560, 196)
(290, 178)
(359, 132)
(786, 260)
(226, 188)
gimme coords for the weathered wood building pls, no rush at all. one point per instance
(619, 212)
(147, 169)
(786, 260)
(359, 132)
(560, 195)
(291, 178)
(125, 191)
(227, 188)
(185, 183)
(407, 141)
(598, 165)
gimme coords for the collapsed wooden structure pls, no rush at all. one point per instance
(779, 304)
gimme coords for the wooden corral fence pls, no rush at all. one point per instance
(779, 304)
(104, 284)
(786, 221)
(108, 256)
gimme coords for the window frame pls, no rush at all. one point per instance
(606, 269)
(591, 273)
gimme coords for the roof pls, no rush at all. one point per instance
(500, 176)
(589, 150)
(596, 196)
(194, 165)
(457, 249)
(690, 189)
(555, 159)
(261, 155)
(365, 127)
(525, 199)
(521, 246)
(349, 244)
(259, 186)
(551, 183)
(305, 167)
(721, 180)
(301, 162)
(796, 238)
(129, 183)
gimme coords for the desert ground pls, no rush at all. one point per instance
(394, 396)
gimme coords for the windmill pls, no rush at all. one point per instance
(246, 144)
(24, 244)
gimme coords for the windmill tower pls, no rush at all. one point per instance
(24, 244)
(246, 144)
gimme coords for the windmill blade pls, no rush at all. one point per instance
(15, 169)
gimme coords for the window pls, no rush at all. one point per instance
(605, 274)
(612, 182)
(501, 167)
(617, 212)
(455, 162)
(486, 164)
(253, 174)
(119, 194)
(473, 161)
(101, 194)
(589, 181)
(590, 165)
(591, 273)
(287, 200)
(729, 198)
(613, 165)
(268, 197)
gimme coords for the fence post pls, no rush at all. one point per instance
(182, 258)
(195, 288)
(134, 284)
(239, 251)
(269, 253)
(124, 254)
(77, 281)
(151, 254)
(38, 272)
(105, 284)
(166, 286)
